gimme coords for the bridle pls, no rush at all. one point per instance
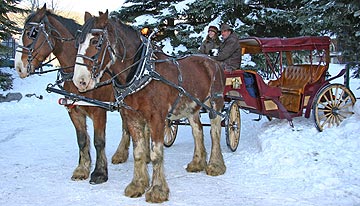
(36, 28)
(144, 73)
(97, 67)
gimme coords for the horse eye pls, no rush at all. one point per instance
(32, 33)
(94, 42)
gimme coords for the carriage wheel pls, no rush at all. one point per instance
(170, 133)
(233, 126)
(332, 105)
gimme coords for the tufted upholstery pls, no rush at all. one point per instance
(294, 78)
(293, 81)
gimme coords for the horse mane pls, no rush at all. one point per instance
(69, 24)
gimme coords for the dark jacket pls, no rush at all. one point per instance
(230, 53)
(209, 44)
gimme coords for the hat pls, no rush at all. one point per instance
(225, 27)
(213, 28)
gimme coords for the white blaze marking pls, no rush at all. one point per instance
(81, 72)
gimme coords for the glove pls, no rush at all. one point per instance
(214, 52)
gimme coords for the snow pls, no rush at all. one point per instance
(273, 165)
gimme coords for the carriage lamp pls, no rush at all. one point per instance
(145, 31)
(236, 83)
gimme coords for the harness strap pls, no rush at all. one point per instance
(156, 75)
(180, 94)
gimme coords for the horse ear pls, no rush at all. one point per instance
(42, 10)
(87, 16)
(104, 17)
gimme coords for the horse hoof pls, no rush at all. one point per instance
(134, 190)
(195, 167)
(157, 194)
(98, 179)
(80, 173)
(215, 169)
(78, 178)
(119, 157)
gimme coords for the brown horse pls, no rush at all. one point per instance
(152, 87)
(45, 33)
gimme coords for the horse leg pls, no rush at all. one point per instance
(100, 173)
(159, 190)
(122, 152)
(82, 171)
(198, 162)
(140, 179)
(216, 165)
(147, 144)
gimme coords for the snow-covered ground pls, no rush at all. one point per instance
(273, 165)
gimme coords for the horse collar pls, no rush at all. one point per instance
(141, 78)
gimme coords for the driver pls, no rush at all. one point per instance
(230, 51)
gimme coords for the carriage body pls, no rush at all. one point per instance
(297, 69)
(297, 83)
(294, 85)
(251, 93)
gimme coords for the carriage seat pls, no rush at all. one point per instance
(296, 77)
(293, 81)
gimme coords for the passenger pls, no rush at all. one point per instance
(230, 51)
(211, 41)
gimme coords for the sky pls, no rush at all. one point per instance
(274, 164)
(92, 6)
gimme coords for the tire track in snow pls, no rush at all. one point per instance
(11, 136)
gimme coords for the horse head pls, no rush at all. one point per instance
(42, 31)
(104, 44)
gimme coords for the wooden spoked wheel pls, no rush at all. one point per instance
(233, 126)
(170, 133)
(332, 105)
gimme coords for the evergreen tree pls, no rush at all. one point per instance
(7, 26)
(272, 18)
(162, 13)
(337, 18)
(262, 18)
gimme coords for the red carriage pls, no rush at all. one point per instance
(300, 83)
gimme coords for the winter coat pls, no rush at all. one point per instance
(230, 53)
(208, 44)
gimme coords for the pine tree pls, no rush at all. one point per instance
(164, 13)
(7, 26)
(337, 18)
(262, 18)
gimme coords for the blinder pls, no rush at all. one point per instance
(32, 34)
